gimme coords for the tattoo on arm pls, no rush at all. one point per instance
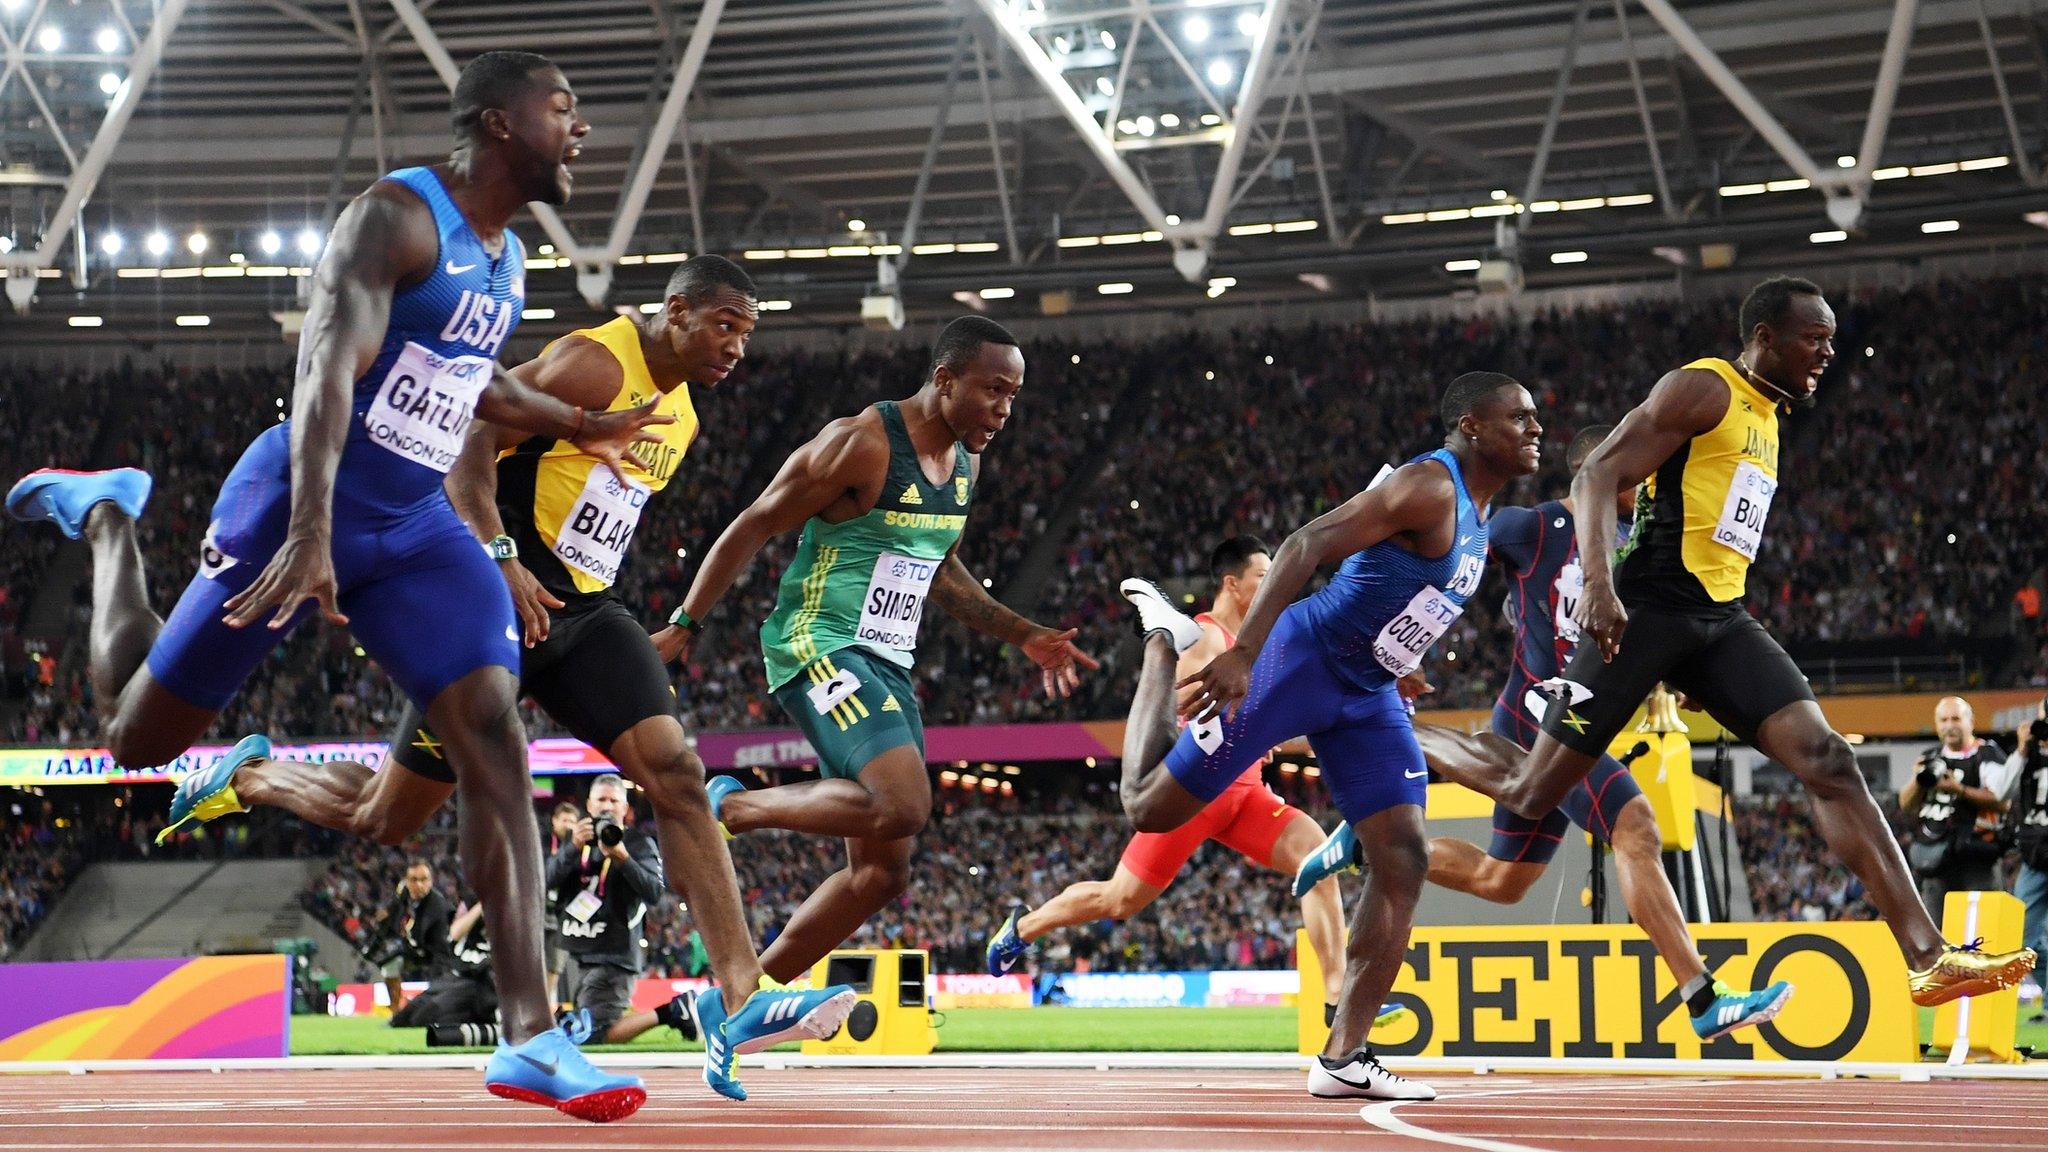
(964, 599)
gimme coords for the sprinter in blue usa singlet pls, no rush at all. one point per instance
(342, 507)
(1327, 668)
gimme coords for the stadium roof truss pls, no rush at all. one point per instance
(1041, 143)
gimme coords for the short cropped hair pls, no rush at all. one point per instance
(961, 341)
(1466, 392)
(1771, 302)
(1230, 557)
(609, 780)
(700, 277)
(1583, 444)
(492, 80)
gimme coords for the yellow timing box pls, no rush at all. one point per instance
(1600, 990)
(1665, 775)
(1987, 1023)
(893, 1016)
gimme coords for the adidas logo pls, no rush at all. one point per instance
(890, 705)
(784, 1008)
(1730, 1013)
(910, 496)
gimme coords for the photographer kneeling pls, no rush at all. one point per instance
(603, 879)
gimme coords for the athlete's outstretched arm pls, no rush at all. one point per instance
(1414, 498)
(1684, 404)
(384, 238)
(608, 436)
(848, 457)
(1059, 662)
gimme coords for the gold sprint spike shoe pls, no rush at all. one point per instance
(1968, 970)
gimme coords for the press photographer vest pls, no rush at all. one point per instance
(2029, 815)
(1947, 818)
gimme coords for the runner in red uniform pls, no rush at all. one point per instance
(1248, 818)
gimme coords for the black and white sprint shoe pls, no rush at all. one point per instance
(1362, 1076)
(1157, 614)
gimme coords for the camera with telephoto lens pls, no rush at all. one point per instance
(2038, 730)
(606, 832)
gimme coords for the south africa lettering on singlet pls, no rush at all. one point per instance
(864, 582)
(573, 519)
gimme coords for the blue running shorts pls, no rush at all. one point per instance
(1364, 740)
(422, 597)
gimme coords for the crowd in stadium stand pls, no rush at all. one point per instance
(1158, 448)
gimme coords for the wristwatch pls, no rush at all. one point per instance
(502, 547)
(681, 619)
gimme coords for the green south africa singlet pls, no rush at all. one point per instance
(862, 583)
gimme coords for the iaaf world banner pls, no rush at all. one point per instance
(560, 756)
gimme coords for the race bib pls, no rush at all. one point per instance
(425, 404)
(1571, 584)
(583, 907)
(894, 604)
(593, 539)
(1743, 515)
(1400, 645)
(832, 693)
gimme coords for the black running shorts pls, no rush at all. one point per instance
(597, 674)
(1720, 657)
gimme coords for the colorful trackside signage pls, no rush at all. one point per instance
(214, 1007)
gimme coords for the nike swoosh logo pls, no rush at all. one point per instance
(1416, 775)
(547, 1069)
(455, 269)
(1363, 1084)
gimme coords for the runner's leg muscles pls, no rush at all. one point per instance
(654, 755)
(477, 719)
(1798, 737)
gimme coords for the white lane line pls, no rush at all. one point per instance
(1382, 1115)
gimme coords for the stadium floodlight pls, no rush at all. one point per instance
(309, 242)
(1845, 161)
(1567, 257)
(1461, 265)
(1933, 226)
(1104, 86)
(1248, 22)
(1195, 29)
(110, 82)
(856, 225)
(6, 245)
(1118, 288)
(538, 314)
(270, 242)
(1169, 120)
(1831, 236)
(86, 321)
(50, 38)
(998, 293)
(107, 40)
(157, 243)
(1221, 71)
(196, 243)
(194, 321)
(110, 243)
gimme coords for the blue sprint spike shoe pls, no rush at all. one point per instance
(777, 1012)
(1337, 853)
(721, 1060)
(1731, 1009)
(716, 790)
(551, 1071)
(1005, 948)
(63, 496)
(209, 793)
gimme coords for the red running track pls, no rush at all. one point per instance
(985, 1110)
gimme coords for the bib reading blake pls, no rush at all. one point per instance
(594, 538)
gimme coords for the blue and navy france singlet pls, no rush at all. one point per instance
(1539, 553)
(415, 403)
(1386, 605)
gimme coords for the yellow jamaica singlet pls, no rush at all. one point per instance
(1700, 516)
(572, 518)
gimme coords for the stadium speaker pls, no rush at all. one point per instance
(882, 313)
(1055, 303)
(892, 1016)
(1499, 276)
